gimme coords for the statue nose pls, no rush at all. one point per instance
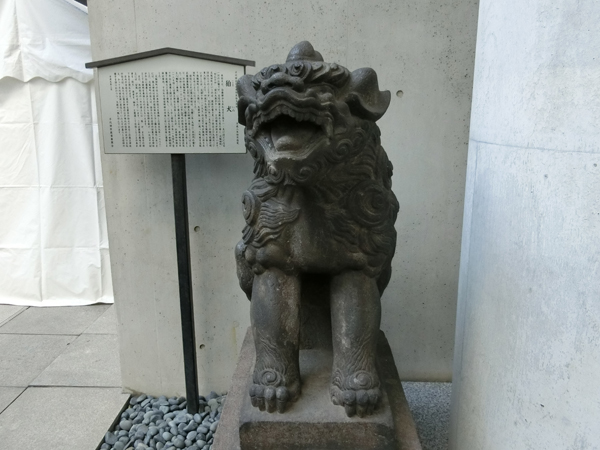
(281, 79)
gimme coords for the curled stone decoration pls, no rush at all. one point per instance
(269, 377)
(275, 175)
(361, 380)
(341, 151)
(305, 174)
(369, 204)
(298, 69)
(251, 207)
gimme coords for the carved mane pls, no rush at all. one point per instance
(348, 178)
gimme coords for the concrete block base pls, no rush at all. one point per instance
(313, 422)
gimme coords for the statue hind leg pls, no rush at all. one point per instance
(355, 319)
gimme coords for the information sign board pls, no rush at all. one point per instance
(172, 101)
(170, 104)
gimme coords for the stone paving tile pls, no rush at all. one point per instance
(60, 418)
(60, 320)
(105, 324)
(7, 312)
(23, 357)
(7, 395)
(430, 407)
(91, 360)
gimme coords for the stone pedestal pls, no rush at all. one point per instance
(313, 422)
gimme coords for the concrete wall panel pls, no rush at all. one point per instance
(423, 49)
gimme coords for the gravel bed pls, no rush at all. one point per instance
(163, 423)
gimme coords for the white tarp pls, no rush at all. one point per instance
(49, 39)
(53, 240)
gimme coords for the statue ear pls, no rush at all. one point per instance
(245, 91)
(363, 96)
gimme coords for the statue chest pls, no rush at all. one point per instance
(294, 234)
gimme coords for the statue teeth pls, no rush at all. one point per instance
(285, 109)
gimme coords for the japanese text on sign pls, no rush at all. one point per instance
(170, 111)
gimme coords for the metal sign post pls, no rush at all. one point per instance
(172, 101)
(184, 271)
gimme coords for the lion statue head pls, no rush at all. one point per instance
(311, 124)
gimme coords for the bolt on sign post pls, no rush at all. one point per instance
(172, 101)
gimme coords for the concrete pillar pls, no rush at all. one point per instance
(527, 356)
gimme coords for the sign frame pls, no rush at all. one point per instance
(169, 101)
(180, 207)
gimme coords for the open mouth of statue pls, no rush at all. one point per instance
(292, 130)
(291, 135)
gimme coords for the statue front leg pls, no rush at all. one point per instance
(275, 318)
(355, 319)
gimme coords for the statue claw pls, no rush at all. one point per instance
(272, 399)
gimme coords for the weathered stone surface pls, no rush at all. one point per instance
(319, 236)
(315, 423)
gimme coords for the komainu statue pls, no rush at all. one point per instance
(320, 217)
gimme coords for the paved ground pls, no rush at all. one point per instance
(59, 377)
(60, 381)
(430, 407)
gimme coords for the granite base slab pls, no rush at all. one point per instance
(313, 422)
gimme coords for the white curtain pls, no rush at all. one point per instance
(53, 240)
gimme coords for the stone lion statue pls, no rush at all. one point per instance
(320, 208)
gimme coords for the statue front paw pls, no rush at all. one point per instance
(358, 393)
(270, 391)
